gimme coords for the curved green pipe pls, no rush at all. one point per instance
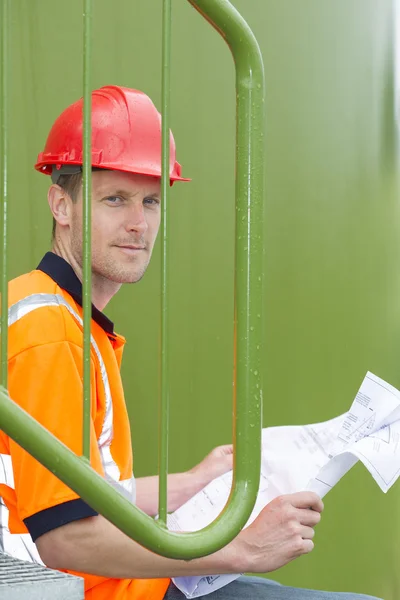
(75, 471)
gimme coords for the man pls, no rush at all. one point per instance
(45, 375)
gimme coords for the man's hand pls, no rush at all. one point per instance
(182, 486)
(283, 531)
(218, 462)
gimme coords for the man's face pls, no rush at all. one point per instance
(125, 221)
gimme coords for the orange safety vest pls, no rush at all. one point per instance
(45, 351)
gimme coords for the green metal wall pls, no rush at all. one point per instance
(332, 228)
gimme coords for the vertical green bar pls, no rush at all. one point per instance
(87, 250)
(4, 189)
(165, 184)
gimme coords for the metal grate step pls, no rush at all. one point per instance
(21, 580)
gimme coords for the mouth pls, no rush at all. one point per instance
(131, 249)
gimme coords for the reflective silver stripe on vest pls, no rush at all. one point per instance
(35, 301)
(6, 470)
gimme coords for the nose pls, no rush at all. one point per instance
(136, 219)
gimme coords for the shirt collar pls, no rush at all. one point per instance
(63, 274)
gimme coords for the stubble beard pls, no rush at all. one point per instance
(114, 271)
(105, 267)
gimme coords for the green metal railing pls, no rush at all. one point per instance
(87, 225)
(4, 189)
(165, 184)
(76, 471)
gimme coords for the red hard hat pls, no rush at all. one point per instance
(126, 135)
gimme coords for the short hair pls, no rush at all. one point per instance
(72, 185)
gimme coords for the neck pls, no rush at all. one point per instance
(102, 289)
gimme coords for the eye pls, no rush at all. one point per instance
(151, 201)
(114, 199)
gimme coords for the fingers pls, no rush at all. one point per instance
(307, 500)
(308, 546)
(307, 533)
(308, 517)
(304, 543)
(283, 531)
(227, 449)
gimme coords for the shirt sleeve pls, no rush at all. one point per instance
(46, 381)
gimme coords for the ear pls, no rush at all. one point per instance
(60, 204)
